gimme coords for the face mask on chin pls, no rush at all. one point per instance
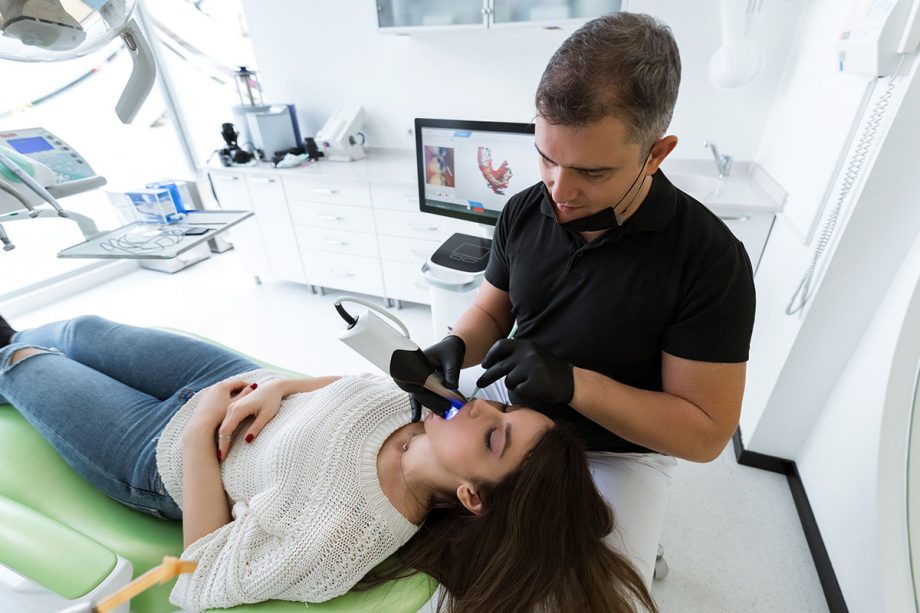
(605, 219)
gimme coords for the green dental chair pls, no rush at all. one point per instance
(77, 544)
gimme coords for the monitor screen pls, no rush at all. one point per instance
(469, 169)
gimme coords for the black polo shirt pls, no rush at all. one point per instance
(673, 278)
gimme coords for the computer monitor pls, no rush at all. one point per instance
(469, 169)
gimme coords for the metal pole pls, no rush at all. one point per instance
(168, 90)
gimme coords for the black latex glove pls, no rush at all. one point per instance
(446, 357)
(531, 371)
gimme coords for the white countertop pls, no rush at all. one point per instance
(748, 186)
(396, 165)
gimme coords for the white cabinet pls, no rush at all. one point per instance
(357, 226)
(233, 194)
(265, 242)
(334, 227)
(408, 16)
(271, 212)
(549, 11)
(405, 14)
(407, 238)
(353, 273)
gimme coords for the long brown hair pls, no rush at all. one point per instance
(537, 546)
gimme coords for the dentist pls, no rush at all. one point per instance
(634, 303)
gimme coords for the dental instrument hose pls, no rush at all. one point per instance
(853, 171)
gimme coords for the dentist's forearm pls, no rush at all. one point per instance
(657, 420)
(205, 507)
(479, 331)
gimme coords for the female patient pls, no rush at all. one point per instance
(295, 489)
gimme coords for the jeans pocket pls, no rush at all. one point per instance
(158, 486)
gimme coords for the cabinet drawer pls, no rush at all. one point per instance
(330, 190)
(399, 196)
(336, 217)
(404, 281)
(262, 187)
(349, 272)
(404, 249)
(419, 225)
(349, 243)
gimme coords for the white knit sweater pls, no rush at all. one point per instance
(309, 516)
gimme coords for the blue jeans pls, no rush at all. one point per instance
(103, 393)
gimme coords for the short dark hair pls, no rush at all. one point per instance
(625, 64)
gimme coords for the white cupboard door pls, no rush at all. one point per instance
(271, 211)
(233, 194)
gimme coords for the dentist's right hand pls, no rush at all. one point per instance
(445, 356)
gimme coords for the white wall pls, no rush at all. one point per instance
(823, 384)
(854, 463)
(796, 360)
(320, 54)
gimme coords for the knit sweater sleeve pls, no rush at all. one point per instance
(248, 561)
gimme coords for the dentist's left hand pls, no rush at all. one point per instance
(531, 371)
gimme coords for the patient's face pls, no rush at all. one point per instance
(484, 442)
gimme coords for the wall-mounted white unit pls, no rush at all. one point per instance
(418, 16)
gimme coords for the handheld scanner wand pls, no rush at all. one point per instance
(392, 351)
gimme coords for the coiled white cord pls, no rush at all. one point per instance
(863, 147)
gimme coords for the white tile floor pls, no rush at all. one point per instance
(732, 536)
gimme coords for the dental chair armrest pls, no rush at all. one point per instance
(57, 557)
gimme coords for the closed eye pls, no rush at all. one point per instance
(489, 438)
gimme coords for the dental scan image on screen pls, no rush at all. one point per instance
(476, 171)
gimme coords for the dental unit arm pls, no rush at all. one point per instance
(393, 352)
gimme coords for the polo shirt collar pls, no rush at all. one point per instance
(653, 215)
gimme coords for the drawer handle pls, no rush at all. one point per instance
(225, 178)
(340, 273)
(336, 243)
(331, 217)
(735, 217)
(325, 190)
(262, 180)
(421, 228)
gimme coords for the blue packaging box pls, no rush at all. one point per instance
(156, 205)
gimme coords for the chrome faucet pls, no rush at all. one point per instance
(723, 162)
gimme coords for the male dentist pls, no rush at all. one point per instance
(634, 303)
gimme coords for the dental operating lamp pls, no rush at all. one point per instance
(34, 168)
(46, 31)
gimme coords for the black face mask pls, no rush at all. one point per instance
(604, 219)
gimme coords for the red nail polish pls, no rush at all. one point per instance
(219, 455)
(249, 438)
(254, 385)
